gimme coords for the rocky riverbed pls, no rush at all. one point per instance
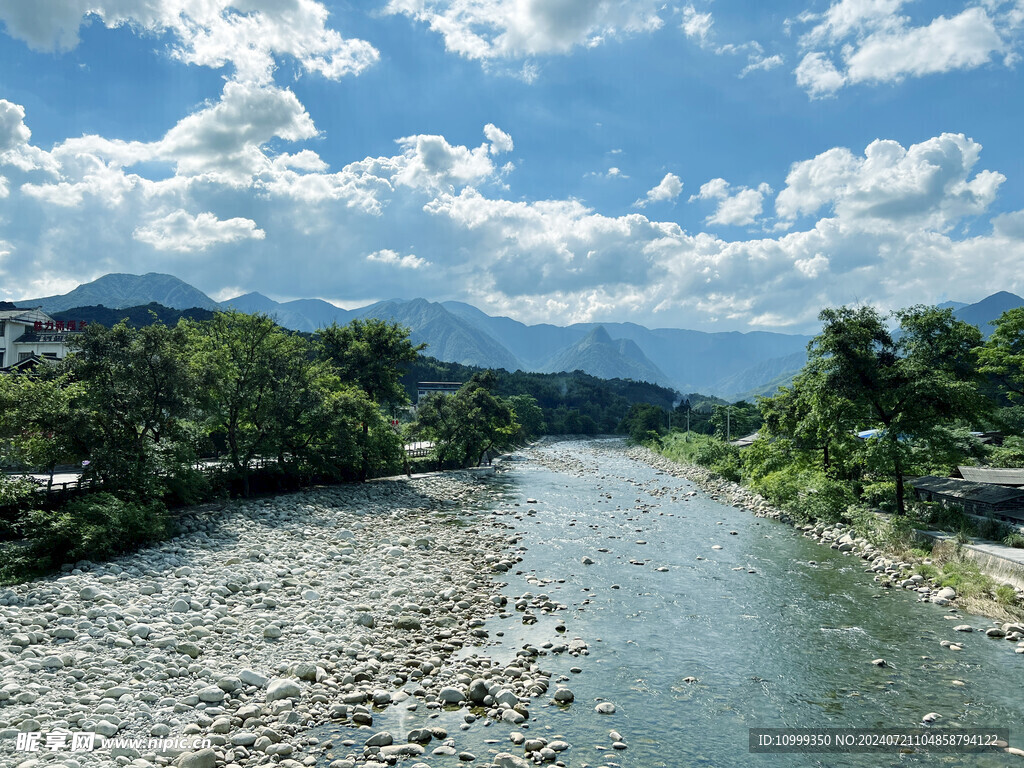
(267, 618)
(375, 625)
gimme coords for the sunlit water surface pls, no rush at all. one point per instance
(778, 630)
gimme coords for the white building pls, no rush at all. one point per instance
(31, 335)
(426, 388)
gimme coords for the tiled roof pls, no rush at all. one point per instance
(965, 489)
(994, 475)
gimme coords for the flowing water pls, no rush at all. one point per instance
(778, 630)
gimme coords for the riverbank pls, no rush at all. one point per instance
(267, 618)
(439, 621)
(893, 569)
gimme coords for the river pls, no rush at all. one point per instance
(777, 630)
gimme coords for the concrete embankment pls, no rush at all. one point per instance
(1004, 564)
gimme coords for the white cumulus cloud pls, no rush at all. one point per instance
(668, 188)
(387, 256)
(500, 141)
(248, 34)
(932, 183)
(696, 25)
(496, 29)
(868, 41)
(13, 131)
(736, 207)
(183, 232)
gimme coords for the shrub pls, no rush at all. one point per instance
(93, 527)
(1006, 595)
(187, 487)
(947, 517)
(928, 571)
(880, 495)
(965, 577)
(827, 501)
(991, 529)
(1015, 540)
(781, 487)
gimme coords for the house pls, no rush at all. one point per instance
(27, 334)
(426, 388)
(1013, 478)
(983, 499)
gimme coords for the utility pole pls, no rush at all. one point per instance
(728, 423)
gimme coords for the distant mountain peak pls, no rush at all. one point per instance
(599, 335)
(982, 313)
(599, 355)
(118, 290)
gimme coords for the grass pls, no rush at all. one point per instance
(1014, 540)
(976, 591)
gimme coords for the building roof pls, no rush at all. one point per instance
(28, 364)
(24, 315)
(43, 337)
(994, 475)
(969, 491)
(743, 442)
(18, 315)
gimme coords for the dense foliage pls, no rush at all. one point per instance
(137, 317)
(570, 403)
(881, 398)
(159, 416)
(468, 424)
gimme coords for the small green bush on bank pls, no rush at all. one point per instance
(94, 527)
(703, 450)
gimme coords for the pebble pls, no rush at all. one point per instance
(260, 620)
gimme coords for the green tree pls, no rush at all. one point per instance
(906, 384)
(468, 423)
(643, 422)
(816, 421)
(135, 388)
(735, 420)
(1003, 354)
(38, 421)
(373, 355)
(529, 415)
(249, 368)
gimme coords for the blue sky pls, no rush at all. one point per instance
(714, 164)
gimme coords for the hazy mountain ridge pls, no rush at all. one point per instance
(599, 355)
(298, 315)
(764, 378)
(982, 313)
(731, 364)
(119, 290)
(448, 338)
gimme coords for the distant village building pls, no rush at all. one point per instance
(985, 499)
(426, 388)
(1013, 478)
(30, 336)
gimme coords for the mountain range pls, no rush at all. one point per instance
(731, 365)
